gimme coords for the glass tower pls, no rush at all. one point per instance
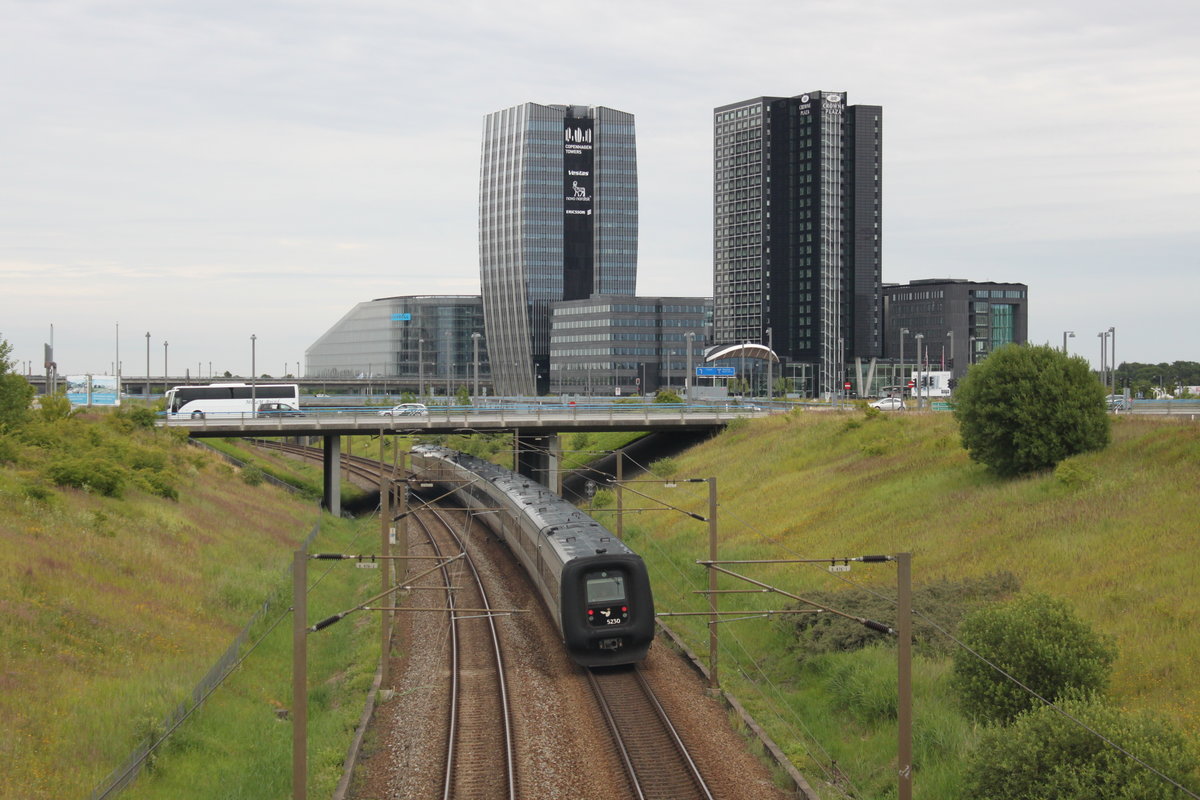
(557, 221)
(796, 237)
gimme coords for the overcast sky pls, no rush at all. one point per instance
(204, 171)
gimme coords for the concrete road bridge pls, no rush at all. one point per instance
(536, 429)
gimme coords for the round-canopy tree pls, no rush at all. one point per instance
(1026, 408)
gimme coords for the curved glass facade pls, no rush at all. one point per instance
(422, 341)
(557, 221)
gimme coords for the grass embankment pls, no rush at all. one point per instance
(1112, 532)
(116, 599)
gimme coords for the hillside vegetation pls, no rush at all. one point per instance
(1110, 532)
(129, 561)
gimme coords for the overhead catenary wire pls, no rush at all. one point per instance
(991, 664)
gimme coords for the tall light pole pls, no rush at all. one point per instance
(165, 372)
(421, 367)
(770, 372)
(902, 381)
(950, 336)
(917, 383)
(253, 370)
(117, 363)
(1112, 357)
(475, 337)
(147, 367)
(449, 363)
(687, 381)
(1065, 335)
(1103, 335)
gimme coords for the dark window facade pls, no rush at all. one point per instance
(797, 229)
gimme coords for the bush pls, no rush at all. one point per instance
(947, 602)
(89, 473)
(1027, 408)
(1044, 754)
(16, 393)
(1037, 640)
(252, 476)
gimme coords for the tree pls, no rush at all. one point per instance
(16, 393)
(1045, 754)
(1026, 408)
(1037, 640)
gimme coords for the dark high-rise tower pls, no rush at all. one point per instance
(558, 220)
(796, 245)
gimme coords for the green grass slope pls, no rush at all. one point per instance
(1112, 532)
(114, 605)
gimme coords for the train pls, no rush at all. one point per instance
(596, 589)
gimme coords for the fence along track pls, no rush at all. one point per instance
(655, 758)
(478, 750)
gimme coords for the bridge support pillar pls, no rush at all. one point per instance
(539, 457)
(331, 497)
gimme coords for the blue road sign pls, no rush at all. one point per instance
(715, 372)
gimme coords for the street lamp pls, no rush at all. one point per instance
(902, 381)
(1065, 335)
(421, 367)
(165, 372)
(770, 351)
(687, 381)
(917, 386)
(475, 337)
(1112, 357)
(950, 336)
(1103, 336)
(147, 366)
(449, 363)
(253, 370)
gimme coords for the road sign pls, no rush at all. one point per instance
(715, 372)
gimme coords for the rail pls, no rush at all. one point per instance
(656, 760)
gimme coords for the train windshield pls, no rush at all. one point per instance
(605, 587)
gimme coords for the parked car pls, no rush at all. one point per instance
(278, 410)
(405, 410)
(888, 404)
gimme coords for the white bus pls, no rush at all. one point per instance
(227, 399)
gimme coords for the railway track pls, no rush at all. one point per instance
(480, 753)
(655, 758)
(479, 746)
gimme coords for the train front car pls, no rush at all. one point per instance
(596, 589)
(607, 610)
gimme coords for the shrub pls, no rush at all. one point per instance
(16, 393)
(55, 407)
(946, 602)
(1045, 754)
(667, 396)
(10, 450)
(664, 468)
(252, 476)
(89, 473)
(1038, 641)
(1027, 408)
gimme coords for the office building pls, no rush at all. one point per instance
(623, 345)
(558, 220)
(423, 343)
(797, 226)
(960, 321)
